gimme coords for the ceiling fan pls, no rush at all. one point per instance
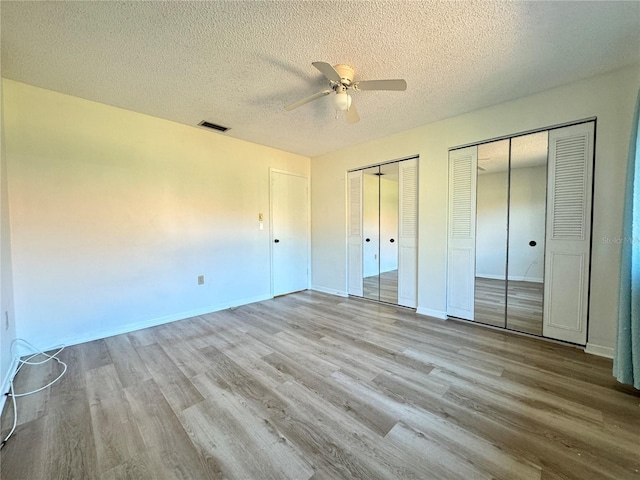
(340, 80)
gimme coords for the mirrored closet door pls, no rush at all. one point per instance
(380, 228)
(382, 232)
(527, 210)
(492, 211)
(519, 232)
(510, 232)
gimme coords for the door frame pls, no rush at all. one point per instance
(273, 171)
(415, 157)
(591, 187)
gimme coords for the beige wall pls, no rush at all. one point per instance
(7, 330)
(114, 215)
(608, 97)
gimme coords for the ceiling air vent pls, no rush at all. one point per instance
(213, 126)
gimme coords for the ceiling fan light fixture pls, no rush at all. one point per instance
(340, 79)
(342, 101)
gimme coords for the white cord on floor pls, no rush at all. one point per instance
(22, 363)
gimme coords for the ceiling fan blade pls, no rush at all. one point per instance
(352, 114)
(397, 84)
(328, 71)
(311, 98)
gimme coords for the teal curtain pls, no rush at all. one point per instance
(626, 361)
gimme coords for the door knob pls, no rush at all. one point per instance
(367, 240)
(276, 241)
(392, 240)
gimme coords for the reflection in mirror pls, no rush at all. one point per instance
(380, 230)
(491, 232)
(389, 233)
(371, 232)
(527, 201)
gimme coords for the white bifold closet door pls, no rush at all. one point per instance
(408, 232)
(354, 233)
(461, 261)
(567, 257)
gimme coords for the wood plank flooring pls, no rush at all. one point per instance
(312, 386)
(382, 287)
(524, 305)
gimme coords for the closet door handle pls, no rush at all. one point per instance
(392, 240)
(276, 241)
(367, 240)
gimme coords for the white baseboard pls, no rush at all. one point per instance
(330, 291)
(5, 382)
(131, 327)
(431, 313)
(599, 350)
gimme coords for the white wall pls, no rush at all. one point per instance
(7, 332)
(370, 224)
(389, 205)
(114, 214)
(527, 203)
(379, 224)
(527, 209)
(491, 224)
(608, 97)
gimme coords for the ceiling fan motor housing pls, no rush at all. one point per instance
(346, 73)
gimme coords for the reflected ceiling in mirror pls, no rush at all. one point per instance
(526, 151)
(493, 157)
(529, 150)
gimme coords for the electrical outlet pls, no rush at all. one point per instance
(200, 279)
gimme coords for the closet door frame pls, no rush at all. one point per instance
(407, 237)
(577, 333)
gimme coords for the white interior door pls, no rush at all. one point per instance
(289, 232)
(461, 262)
(354, 233)
(568, 233)
(408, 232)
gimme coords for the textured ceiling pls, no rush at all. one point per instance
(239, 63)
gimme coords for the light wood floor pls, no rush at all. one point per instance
(312, 386)
(524, 304)
(382, 287)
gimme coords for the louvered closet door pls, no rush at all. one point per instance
(408, 232)
(461, 264)
(568, 233)
(354, 226)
